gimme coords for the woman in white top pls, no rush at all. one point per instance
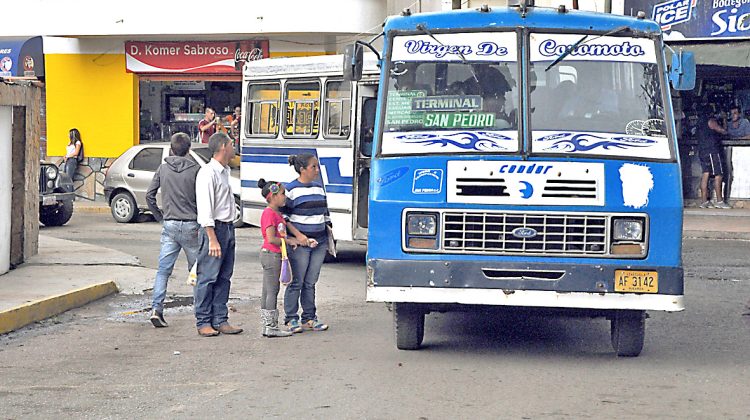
(73, 152)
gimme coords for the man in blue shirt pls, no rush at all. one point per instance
(738, 127)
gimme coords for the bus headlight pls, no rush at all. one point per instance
(421, 224)
(627, 230)
(51, 172)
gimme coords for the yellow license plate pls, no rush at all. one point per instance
(636, 281)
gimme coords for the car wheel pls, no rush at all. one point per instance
(238, 222)
(56, 215)
(408, 322)
(124, 209)
(628, 332)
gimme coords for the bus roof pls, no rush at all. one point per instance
(510, 17)
(305, 66)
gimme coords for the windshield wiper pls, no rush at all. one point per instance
(423, 28)
(583, 40)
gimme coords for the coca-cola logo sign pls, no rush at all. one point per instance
(242, 56)
(226, 57)
(252, 55)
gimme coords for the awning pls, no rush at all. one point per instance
(21, 57)
(732, 53)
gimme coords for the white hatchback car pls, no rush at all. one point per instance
(128, 178)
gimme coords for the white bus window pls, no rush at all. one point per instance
(338, 109)
(263, 110)
(302, 107)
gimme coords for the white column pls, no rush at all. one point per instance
(6, 183)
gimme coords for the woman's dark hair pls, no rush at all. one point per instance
(266, 187)
(300, 161)
(74, 135)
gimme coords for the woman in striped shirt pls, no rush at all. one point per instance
(307, 210)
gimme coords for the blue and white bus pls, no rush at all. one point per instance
(297, 105)
(525, 157)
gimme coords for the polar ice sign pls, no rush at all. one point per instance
(672, 12)
(690, 19)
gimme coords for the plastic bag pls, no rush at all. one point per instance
(331, 242)
(286, 268)
(192, 277)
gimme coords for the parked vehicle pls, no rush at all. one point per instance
(55, 195)
(128, 178)
(325, 116)
(525, 157)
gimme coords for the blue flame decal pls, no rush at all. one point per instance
(571, 143)
(488, 141)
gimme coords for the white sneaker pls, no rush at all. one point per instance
(706, 205)
(721, 205)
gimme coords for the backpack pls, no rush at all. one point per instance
(79, 158)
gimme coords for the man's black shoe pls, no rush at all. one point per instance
(157, 318)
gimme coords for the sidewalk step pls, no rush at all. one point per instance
(20, 316)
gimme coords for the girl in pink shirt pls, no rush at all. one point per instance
(273, 227)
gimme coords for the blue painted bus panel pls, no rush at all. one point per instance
(394, 187)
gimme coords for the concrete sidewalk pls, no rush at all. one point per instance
(67, 274)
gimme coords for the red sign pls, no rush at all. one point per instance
(193, 56)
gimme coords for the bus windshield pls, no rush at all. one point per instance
(450, 93)
(605, 98)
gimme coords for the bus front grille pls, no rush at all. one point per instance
(503, 233)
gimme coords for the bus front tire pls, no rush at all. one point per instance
(628, 332)
(408, 322)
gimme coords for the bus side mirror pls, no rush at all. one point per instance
(353, 59)
(682, 74)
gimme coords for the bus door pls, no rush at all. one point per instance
(366, 107)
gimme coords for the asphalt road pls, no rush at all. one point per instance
(106, 361)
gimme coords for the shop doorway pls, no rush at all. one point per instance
(718, 89)
(168, 105)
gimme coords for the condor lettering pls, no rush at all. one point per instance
(524, 169)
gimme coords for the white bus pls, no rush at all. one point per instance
(299, 105)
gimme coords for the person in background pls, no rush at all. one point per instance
(738, 127)
(711, 154)
(73, 152)
(234, 124)
(307, 209)
(180, 230)
(215, 205)
(234, 128)
(207, 126)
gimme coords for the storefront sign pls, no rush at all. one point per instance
(203, 57)
(21, 57)
(692, 19)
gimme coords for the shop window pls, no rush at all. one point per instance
(147, 159)
(262, 111)
(302, 107)
(338, 100)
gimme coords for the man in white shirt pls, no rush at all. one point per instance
(216, 213)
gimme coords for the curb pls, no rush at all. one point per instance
(20, 316)
(88, 208)
(705, 234)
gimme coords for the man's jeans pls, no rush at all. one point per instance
(214, 274)
(175, 235)
(306, 263)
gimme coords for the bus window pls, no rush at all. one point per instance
(302, 106)
(263, 110)
(338, 108)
